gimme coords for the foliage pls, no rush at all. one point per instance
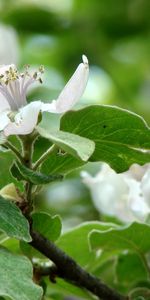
(115, 242)
(57, 149)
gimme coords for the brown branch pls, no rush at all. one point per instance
(66, 268)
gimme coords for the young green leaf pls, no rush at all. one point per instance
(62, 164)
(16, 277)
(79, 147)
(130, 270)
(120, 136)
(140, 293)
(134, 237)
(49, 227)
(20, 172)
(6, 161)
(79, 235)
(12, 222)
(15, 172)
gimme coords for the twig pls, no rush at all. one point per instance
(69, 270)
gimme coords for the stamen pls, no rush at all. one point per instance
(14, 85)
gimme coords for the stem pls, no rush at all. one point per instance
(44, 156)
(14, 150)
(29, 198)
(66, 268)
(27, 148)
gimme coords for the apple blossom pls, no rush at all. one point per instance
(120, 195)
(17, 117)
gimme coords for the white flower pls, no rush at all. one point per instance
(120, 195)
(19, 118)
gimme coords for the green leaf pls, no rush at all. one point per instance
(134, 237)
(130, 269)
(79, 236)
(119, 135)
(20, 172)
(79, 147)
(16, 277)
(11, 244)
(15, 172)
(49, 227)
(65, 289)
(5, 161)
(12, 222)
(62, 164)
(140, 294)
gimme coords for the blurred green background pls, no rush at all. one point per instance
(115, 36)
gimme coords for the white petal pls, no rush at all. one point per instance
(4, 120)
(49, 107)
(137, 202)
(140, 209)
(4, 105)
(25, 120)
(145, 186)
(108, 190)
(72, 91)
(136, 171)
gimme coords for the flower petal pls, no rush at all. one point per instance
(120, 195)
(4, 105)
(136, 200)
(137, 172)
(145, 185)
(4, 120)
(107, 190)
(72, 91)
(25, 120)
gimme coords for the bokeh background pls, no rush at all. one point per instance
(115, 36)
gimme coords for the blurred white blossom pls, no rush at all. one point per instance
(125, 196)
(18, 117)
(9, 45)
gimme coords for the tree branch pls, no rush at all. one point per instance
(69, 270)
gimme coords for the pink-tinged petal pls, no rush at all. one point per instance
(25, 120)
(72, 92)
